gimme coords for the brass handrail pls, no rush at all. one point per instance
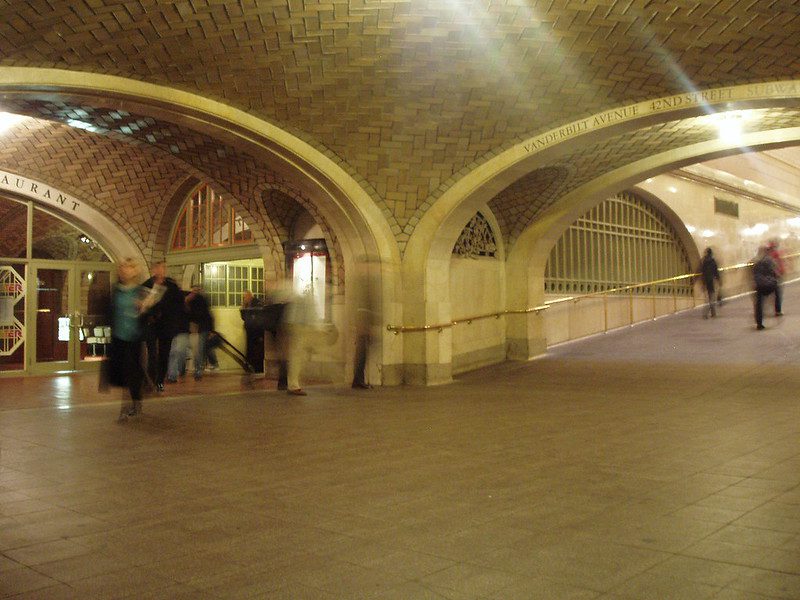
(397, 329)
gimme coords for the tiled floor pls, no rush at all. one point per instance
(662, 462)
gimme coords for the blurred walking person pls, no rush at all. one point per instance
(780, 270)
(167, 328)
(253, 317)
(366, 319)
(765, 279)
(200, 319)
(156, 335)
(123, 366)
(298, 327)
(709, 274)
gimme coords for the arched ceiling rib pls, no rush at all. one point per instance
(522, 202)
(407, 95)
(409, 92)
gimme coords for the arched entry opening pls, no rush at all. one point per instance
(570, 176)
(623, 241)
(55, 280)
(212, 245)
(243, 153)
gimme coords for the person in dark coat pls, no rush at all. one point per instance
(709, 274)
(166, 327)
(201, 319)
(765, 278)
(780, 270)
(254, 331)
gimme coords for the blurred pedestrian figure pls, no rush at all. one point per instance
(297, 329)
(176, 315)
(367, 316)
(709, 274)
(213, 341)
(253, 318)
(780, 270)
(123, 367)
(273, 325)
(202, 321)
(167, 328)
(765, 279)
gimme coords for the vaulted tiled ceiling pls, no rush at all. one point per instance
(410, 93)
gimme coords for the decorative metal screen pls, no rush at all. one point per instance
(476, 239)
(12, 290)
(622, 241)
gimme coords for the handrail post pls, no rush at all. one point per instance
(654, 305)
(605, 313)
(674, 300)
(630, 309)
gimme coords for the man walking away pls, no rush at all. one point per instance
(765, 278)
(709, 271)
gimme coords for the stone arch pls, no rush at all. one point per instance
(528, 257)
(362, 229)
(331, 239)
(290, 155)
(124, 178)
(263, 229)
(76, 210)
(428, 244)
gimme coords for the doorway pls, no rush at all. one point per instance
(69, 325)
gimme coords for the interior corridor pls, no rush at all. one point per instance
(660, 461)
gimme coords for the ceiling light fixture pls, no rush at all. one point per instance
(8, 120)
(731, 123)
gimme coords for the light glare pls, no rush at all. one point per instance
(8, 120)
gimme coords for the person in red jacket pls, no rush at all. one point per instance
(780, 270)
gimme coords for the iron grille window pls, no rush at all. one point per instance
(225, 284)
(622, 241)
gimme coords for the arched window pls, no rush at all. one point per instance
(207, 221)
(621, 241)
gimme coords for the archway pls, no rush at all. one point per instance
(359, 225)
(439, 226)
(527, 259)
(55, 276)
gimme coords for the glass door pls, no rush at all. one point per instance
(91, 315)
(70, 330)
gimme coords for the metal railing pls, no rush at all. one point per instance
(604, 295)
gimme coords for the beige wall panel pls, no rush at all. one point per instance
(476, 288)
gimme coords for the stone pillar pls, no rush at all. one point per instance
(525, 338)
(427, 354)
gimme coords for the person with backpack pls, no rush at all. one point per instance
(765, 279)
(780, 270)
